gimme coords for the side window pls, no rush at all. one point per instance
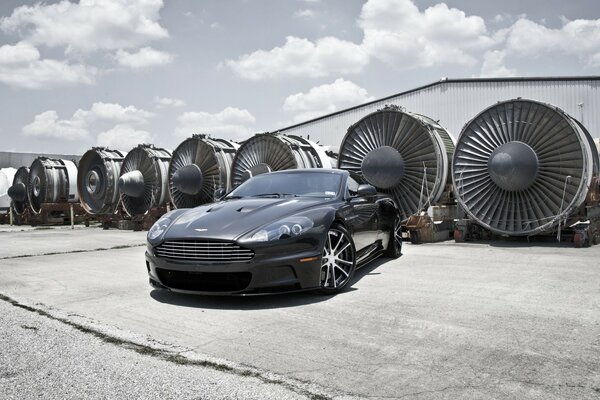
(352, 186)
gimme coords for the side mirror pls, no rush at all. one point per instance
(366, 190)
(220, 193)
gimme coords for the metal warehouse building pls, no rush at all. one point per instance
(456, 101)
(16, 160)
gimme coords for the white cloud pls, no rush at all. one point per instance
(215, 25)
(165, 102)
(47, 124)
(304, 13)
(500, 17)
(507, 19)
(144, 58)
(123, 137)
(230, 123)
(397, 33)
(493, 65)
(114, 112)
(88, 25)
(579, 38)
(79, 126)
(325, 99)
(21, 66)
(20, 53)
(301, 57)
(79, 28)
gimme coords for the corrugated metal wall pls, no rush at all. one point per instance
(17, 160)
(454, 103)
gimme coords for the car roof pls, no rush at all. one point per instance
(305, 170)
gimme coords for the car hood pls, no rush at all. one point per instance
(232, 218)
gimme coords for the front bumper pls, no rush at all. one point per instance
(276, 267)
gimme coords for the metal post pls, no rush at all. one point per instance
(560, 220)
(10, 212)
(72, 217)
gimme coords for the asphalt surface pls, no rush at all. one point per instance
(24, 241)
(446, 320)
(48, 358)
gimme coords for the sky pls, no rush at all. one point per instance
(117, 73)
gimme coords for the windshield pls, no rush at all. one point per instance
(310, 184)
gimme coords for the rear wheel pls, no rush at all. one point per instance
(338, 262)
(394, 249)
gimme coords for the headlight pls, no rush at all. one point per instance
(283, 229)
(159, 228)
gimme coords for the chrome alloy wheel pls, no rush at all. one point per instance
(398, 235)
(338, 260)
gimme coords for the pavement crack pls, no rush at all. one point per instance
(126, 246)
(175, 357)
(31, 328)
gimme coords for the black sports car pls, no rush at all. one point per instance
(282, 231)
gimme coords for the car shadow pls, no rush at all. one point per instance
(262, 302)
(246, 303)
(503, 243)
(368, 269)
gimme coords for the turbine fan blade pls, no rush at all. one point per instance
(98, 178)
(143, 179)
(266, 152)
(21, 179)
(522, 166)
(403, 154)
(200, 165)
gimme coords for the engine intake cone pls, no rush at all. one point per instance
(383, 167)
(132, 184)
(188, 179)
(18, 192)
(513, 166)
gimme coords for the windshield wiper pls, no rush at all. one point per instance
(232, 197)
(269, 195)
(320, 195)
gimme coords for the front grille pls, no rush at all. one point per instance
(203, 251)
(205, 281)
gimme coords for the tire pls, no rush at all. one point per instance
(414, 237)
(338, 262)
(394, 249)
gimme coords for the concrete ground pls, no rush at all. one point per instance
(446, 320)
(47, 357)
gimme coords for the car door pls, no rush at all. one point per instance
(362, 217)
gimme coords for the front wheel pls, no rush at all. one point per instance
(338, 262)
(394, 249)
